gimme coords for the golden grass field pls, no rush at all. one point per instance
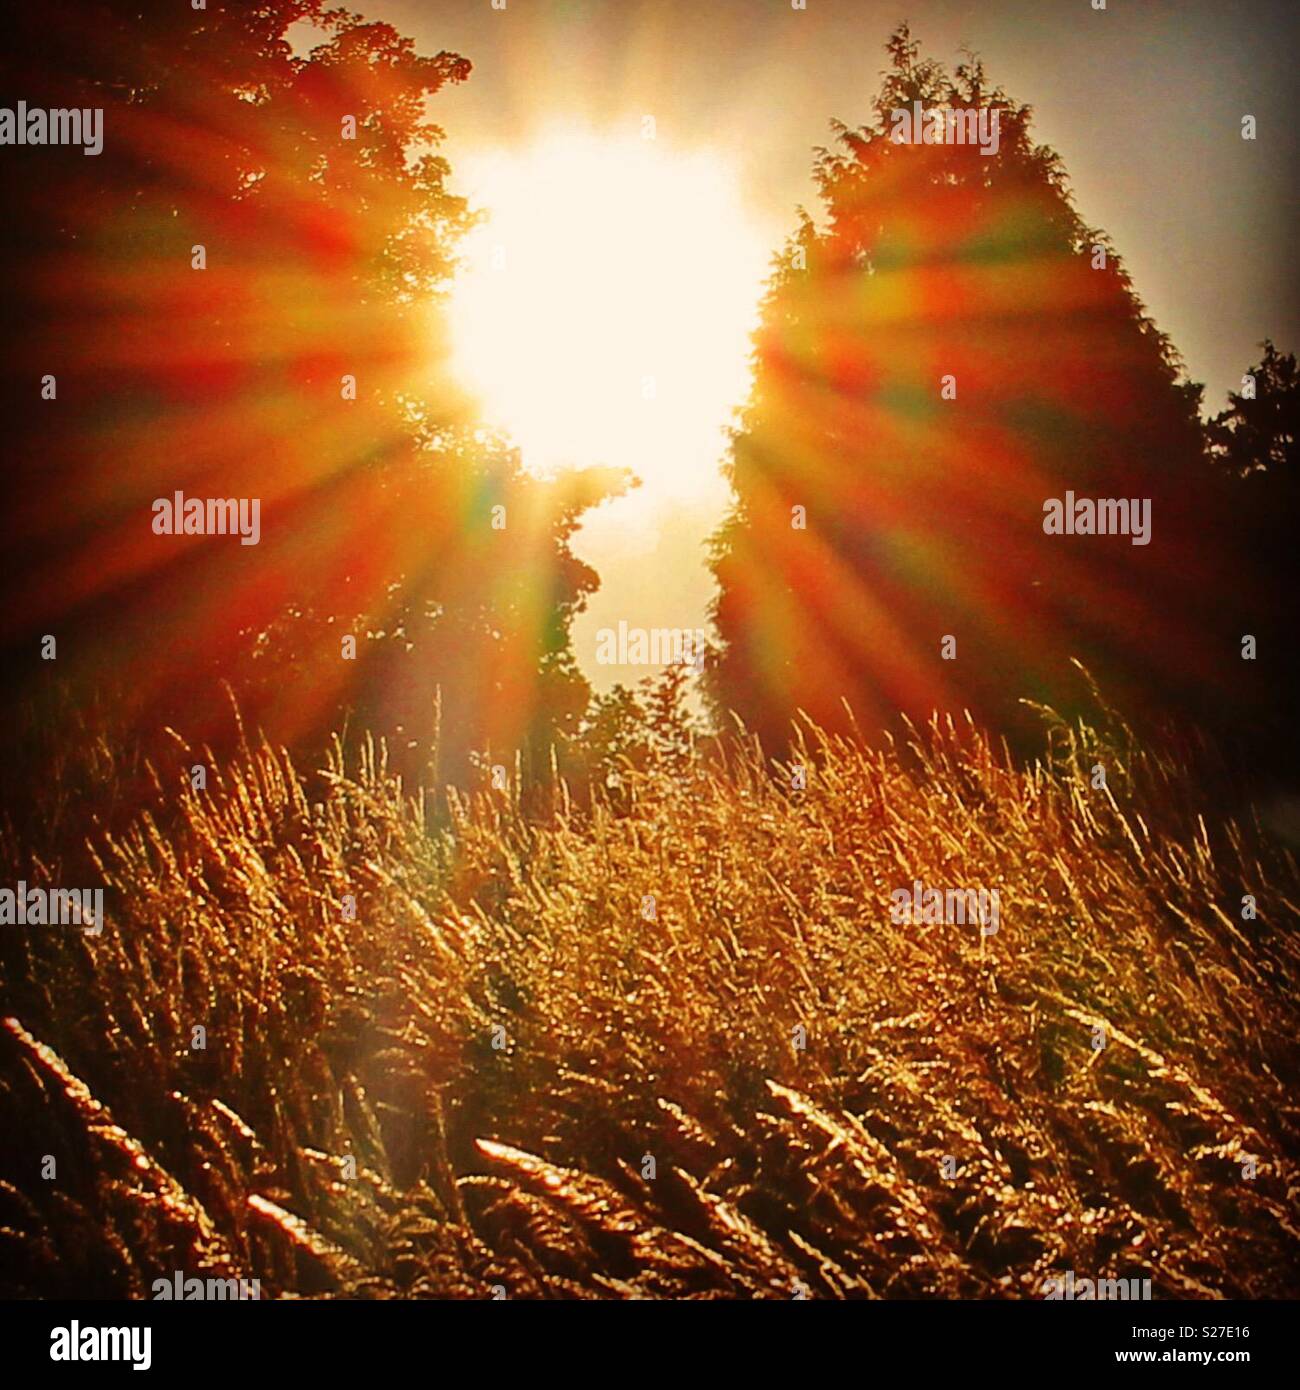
(778, 1172)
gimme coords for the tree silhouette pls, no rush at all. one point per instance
(947, 349)
(1253, 445)
(296, 358)
(1255, 437)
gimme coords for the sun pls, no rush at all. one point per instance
(603, 311)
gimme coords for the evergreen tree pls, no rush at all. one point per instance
(946, 349)
(1253, 445)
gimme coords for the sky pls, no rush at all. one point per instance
(1142, 100)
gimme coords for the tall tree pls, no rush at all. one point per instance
(946, 349)
(1253, 446)
(1256, 435)
(241, 297)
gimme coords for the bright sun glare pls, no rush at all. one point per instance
(604, 311)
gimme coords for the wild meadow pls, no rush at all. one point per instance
(664, 1040)
(403, 402)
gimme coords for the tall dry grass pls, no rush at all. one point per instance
(501, 1037)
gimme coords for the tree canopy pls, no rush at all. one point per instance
(243, 297)
(945, 348)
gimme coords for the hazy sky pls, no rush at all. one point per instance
(1143, 101)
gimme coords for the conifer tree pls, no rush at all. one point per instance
(945, 348)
